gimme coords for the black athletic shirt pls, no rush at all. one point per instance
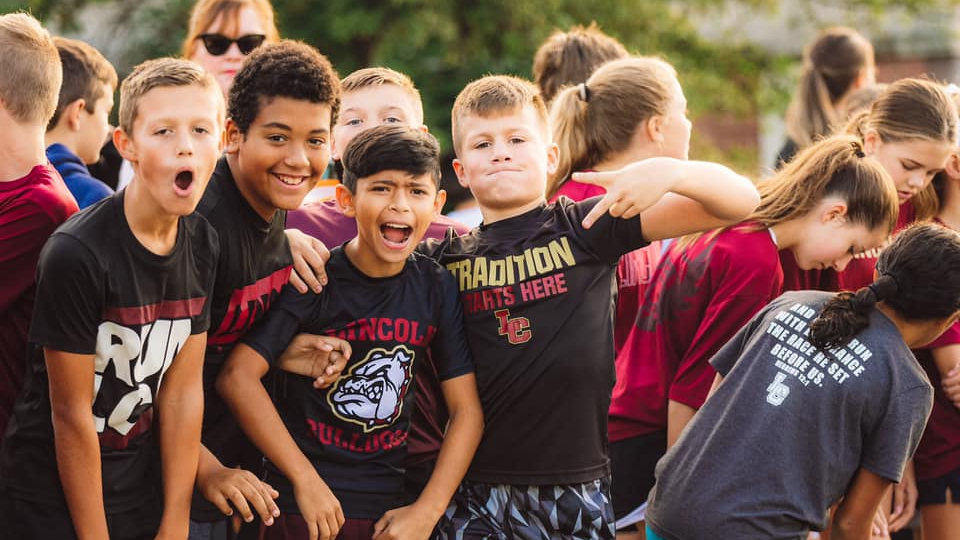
(538, 299)
(255, 263)
(356, 431)
(100, 292)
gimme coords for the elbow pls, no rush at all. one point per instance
(845, 529)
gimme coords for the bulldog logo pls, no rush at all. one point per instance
(371, 393)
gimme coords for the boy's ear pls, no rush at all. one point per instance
(71, 113)
(345, 201)
(231, 137)
(125, 145)
(439, 202)
(953, 166)
(461, 177)
(553, 158)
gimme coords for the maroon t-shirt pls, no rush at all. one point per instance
(633, 272)
(324, 221)
(939, 450)
(857, 274)
(30, 209)
(698, 299)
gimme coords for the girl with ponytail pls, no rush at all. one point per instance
(937, 462)
(837, 63)
(911, 130)
(818, 400)
(629, 110)
(826, 205)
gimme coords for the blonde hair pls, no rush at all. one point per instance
(496, 94)
(835, 166)
(161, 73)
(205, 12)
(911, 109)
(378, 76)
(570, 57)
(31, 69)
(598, 119)
(831, 64)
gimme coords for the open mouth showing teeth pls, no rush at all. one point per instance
(397, 234)
(184, 179)
(290, 180)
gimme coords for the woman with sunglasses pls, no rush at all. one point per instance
(223, 32)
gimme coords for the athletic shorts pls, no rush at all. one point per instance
(934, 490)
(293, 527)
(507, 512)
(26, 520)
(632, 464)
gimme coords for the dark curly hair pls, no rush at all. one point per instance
(391, 148)
(919, 277)
(289, 69)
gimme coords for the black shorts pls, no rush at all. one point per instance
(934, 490)
(632, 464)
(26, 520)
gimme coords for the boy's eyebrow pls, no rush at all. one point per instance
(281, 125)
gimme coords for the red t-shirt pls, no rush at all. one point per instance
(699, 298)
(633, 272)
(857, 274)
(30, 209)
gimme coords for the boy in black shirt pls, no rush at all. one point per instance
(393, 306)
(121, 306)
(281, 109)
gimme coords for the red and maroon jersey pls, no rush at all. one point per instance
(30, 209)
(100, 292)
(699, 298)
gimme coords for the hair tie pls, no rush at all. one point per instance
(884, 287)
(584, 92)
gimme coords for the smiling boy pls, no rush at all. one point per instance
(343, 451)
(121, 306)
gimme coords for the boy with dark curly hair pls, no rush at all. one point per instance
(280, 113)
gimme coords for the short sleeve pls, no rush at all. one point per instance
(450, 348)
(271, 335)
(609, 237)
(728, 355)
(70, 297)
(896, 435)
(950, 337)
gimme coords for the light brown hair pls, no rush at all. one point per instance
(161, 73)
(835, 166)
(493, 95)
(831, 64)
(205, 12)
(85, 73)
(911, 109)
(570, 57)
(31, 69)
(378, 76)
(597, 120)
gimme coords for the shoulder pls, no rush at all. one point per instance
(323, 220)
(45, 194)
(578, 191)
(746, 249)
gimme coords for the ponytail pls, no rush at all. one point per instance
(846, 314)
(595, 120)
(919, 278)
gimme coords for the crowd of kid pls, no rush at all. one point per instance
(662, 350)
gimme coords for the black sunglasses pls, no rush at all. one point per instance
(217, 44)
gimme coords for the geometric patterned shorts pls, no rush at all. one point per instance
(508, 512)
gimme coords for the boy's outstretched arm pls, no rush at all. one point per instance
(179, 413)
(240, 386)
(75, 439)
(675, 197)
(464, 430)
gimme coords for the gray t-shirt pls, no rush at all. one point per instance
(786, 431)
